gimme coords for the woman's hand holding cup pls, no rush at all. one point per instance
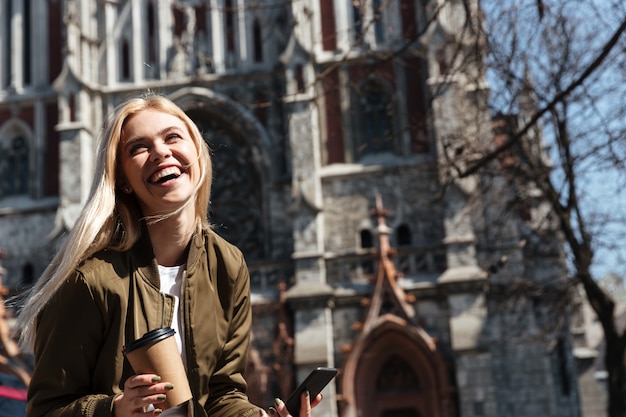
(141, 393)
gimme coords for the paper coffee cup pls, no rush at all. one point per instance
(156, 352)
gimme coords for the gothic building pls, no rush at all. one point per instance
(331, 123)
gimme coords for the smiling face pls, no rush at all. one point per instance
(159, 161)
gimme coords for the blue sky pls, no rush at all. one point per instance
(596, 111)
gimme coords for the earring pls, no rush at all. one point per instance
(127, 189)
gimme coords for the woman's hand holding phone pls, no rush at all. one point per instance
(306, 396)
(280, 409)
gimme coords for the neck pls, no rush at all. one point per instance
(170, 238)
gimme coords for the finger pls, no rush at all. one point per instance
(318, 399)
(280, 408)
(145, 385)
(305, 404)
(141, 380)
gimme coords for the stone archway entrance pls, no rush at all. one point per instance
(397, 372)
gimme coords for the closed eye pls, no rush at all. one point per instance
(172, 137)
(136, 148)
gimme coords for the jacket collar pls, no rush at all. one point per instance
(145, 261)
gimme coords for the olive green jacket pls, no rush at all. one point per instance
(113, 298)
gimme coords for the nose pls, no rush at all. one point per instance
(160, 151)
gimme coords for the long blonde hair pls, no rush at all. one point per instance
(110, 218)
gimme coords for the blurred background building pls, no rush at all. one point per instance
(329, 124)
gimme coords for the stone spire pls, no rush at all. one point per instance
(388, 297)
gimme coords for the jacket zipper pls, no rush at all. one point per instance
(185, 329)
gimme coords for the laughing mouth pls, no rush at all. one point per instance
(167, 174)
(167, 178)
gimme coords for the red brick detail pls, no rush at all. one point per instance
(409, 23)
(201, 11)
(417, 106)
(329, 31)
(55, 25)
(332, 109)
(179, 21)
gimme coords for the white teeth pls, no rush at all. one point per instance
(165, 173)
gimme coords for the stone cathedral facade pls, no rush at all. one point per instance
(329, 123)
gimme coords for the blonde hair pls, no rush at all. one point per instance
(110, 219)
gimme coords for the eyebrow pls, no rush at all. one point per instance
(161, 132)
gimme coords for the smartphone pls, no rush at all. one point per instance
(314, 383)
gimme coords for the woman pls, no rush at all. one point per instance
(142, 256)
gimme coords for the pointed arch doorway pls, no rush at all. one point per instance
(395, 371)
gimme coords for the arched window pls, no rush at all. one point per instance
(14, 167)
(375, 131)
(125, 51)
(299, 76)
(71, 104)
(257, 38)
(366, 239)
(403, 235)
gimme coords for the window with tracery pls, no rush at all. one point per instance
(374, 124)
(14, 167)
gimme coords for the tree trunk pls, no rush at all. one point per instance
(614, 362)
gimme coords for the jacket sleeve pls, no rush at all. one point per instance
(227, 385)
(69, 334)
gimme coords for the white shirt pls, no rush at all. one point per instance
(171, 283)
